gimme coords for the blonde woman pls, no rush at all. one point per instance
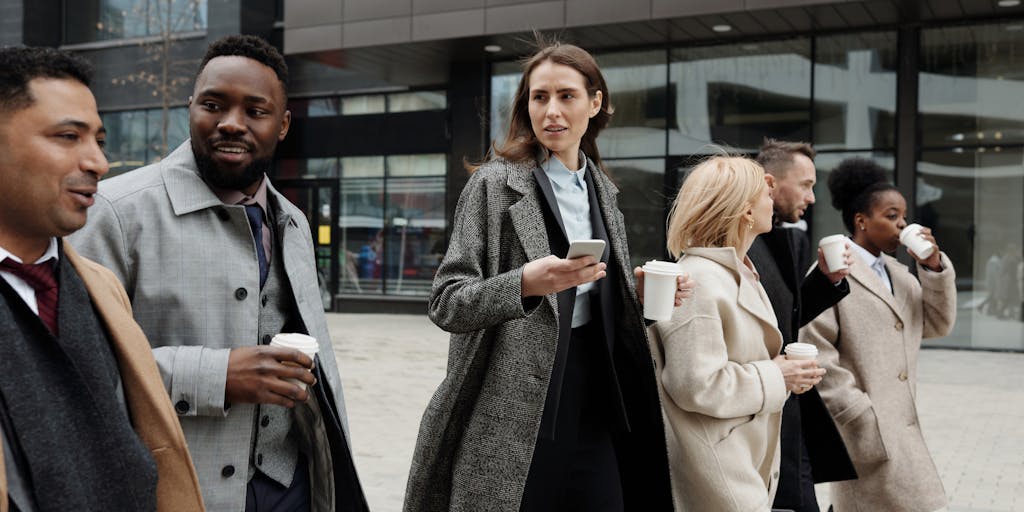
(720, 375)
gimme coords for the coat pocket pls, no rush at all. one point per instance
(861, 433)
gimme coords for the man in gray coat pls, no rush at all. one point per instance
(216, 262)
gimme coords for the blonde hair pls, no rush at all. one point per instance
(708, 211)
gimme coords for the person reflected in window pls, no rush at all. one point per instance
(722, 379)
(869, 344)
(549, 401)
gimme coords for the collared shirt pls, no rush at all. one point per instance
(25, 290)
(570, 188)
(876, 263)
(259, 198)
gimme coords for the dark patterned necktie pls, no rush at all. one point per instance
(255, 215)
(42, 278)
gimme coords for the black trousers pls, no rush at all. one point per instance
(578, 469)
(265, 495)
(808, 500)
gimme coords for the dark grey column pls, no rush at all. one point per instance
(468, 98)
(907, 132)
(11, 14)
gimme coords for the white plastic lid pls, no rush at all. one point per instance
(298, 341)
(662, 267)
(802, 349)
(830, 239)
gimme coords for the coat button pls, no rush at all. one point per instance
(899, 325)
(241, 294)
(227, 471)
(181, 407)
(265, 421)
(266, 339)
(259, 459)
(224, 216)
(903, 376)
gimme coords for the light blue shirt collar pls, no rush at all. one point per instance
(560, 175)
(875, 263)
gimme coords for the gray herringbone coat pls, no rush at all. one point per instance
(869, 343)
(477, 436)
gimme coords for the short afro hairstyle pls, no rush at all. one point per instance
(250, 47)
(19, 65)
(855, 184)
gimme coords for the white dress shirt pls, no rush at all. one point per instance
(570, 189)
(25, 290)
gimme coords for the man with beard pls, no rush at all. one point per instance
(216, 262)
(812, 450)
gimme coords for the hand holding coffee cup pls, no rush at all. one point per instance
(263, 374)
(684, 286)
(799, 367)
(921, 245)
(659, 289)
(301, 342)
(834, 257)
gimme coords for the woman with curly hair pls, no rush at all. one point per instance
(869, 343)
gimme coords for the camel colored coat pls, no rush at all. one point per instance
(150, 410)
(869, 343)
(722, 395)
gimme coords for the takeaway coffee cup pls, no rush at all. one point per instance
(801, 351)
(305, 344)
(911, 237)
(660, 289)
(833, 247)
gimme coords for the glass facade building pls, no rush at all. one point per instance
(390, 99)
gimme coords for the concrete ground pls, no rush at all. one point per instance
(971, 407)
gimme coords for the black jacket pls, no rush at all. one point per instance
(782, 258)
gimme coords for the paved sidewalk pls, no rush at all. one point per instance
(971, 406)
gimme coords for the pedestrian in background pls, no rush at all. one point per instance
(869, 344)
(549, 402)
(722, 379)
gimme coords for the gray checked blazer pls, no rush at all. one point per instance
(188, 263)
(478, 433)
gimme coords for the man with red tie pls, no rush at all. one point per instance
(82, 407)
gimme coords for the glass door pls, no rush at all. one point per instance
(318, 199)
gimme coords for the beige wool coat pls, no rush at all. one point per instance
(722, 396)
(869, 344)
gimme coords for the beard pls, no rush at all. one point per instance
(219, 178)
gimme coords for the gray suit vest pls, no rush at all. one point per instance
(275, 450)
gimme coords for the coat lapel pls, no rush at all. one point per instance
(863, 274)
(527, 218)
(898, 275)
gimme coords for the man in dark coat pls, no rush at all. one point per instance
(812, 450)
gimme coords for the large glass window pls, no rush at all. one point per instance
(368, 104)
(855, 91)
(736, 95)
(137, 137)
(637, 84)
(100, 20)
(970, 173)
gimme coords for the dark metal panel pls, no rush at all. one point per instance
(854, 14)
(827, 17)
(907, 132)
(745, 23)
(946, 8)
(377, 134)
(773, 21)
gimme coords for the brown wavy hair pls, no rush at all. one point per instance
(520, 142)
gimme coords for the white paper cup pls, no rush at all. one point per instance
(910, 237)
(833, 247)
(301, 342)
(801, 351)
(660, 289)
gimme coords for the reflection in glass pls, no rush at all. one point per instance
(637, 84)
(738, 94)
(643, 205)
(504, 80)
(855, 91)
(357, 105)
(103, 20)
(414, 244)
(974, 202)
(419, 100)
(971, 82)
(135, 137)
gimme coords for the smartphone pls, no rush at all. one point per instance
(581, 248)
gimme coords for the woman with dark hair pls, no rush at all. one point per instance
(550, 401)
(869, 343)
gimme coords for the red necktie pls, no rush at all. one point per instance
(41, 277)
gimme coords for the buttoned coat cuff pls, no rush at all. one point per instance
(195, 378)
